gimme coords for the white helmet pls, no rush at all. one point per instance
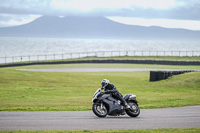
(105, 82)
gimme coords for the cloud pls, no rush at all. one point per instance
(24, 7)
(14, 20)
(178, 9)
(20, 11)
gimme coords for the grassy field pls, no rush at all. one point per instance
(171, 58)
(163, 58)
(39, 91)
(105, 65)
(187, 130)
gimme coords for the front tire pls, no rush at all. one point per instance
(99, 110)
(135, 111)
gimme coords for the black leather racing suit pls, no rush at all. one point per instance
(110, 88)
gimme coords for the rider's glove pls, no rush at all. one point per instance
(103, 92)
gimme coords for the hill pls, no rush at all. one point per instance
(93, 27)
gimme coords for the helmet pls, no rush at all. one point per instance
(105, 82)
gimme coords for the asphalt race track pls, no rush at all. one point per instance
(179, 117)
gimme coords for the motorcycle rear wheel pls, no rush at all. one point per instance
(99, 111)
(135, 111)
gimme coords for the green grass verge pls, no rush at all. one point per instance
(187, 130)
(170, 58)
(109, 65)
(163, 58)
(50, 91)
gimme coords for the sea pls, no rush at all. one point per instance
(11, 47)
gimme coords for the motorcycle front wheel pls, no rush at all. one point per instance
(99, 110)
(134, 111)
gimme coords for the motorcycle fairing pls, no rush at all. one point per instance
(130, 97)
(113, 105)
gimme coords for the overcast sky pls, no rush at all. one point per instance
(165, 13)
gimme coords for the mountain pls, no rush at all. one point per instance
(93, 27)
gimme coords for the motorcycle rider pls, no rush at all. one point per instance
(110, 88)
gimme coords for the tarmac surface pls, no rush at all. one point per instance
(178, 117)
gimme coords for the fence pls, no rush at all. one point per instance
(96, 54)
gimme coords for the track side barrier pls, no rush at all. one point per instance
(161, 75)
(105, 61)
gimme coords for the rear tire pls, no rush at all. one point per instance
(98, 111)
(135, 111)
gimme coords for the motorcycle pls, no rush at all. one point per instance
(105, 104)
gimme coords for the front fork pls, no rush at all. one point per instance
(101, 105)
